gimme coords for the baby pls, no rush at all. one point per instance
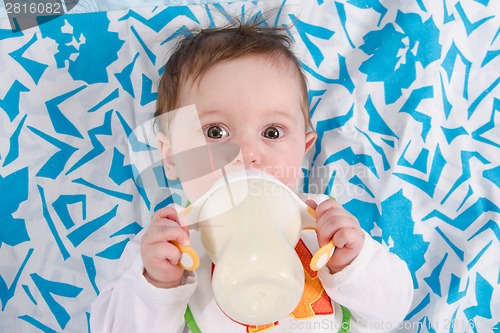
(249, 89)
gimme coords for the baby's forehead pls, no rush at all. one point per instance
(193, 77)
(193, 74)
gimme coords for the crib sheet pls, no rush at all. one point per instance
(404, 96)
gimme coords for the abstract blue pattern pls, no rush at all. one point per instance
(405, 98)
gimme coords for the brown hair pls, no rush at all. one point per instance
(201, 49)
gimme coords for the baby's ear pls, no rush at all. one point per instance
(165, 148)
(310, 139)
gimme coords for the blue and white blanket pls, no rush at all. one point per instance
(404, 96)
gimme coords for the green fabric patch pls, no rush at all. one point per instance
(346, 320)
(190, 321)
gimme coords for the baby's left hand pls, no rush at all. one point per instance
(334, 222)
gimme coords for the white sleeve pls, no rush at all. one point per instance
(132, 304)
(377, 288)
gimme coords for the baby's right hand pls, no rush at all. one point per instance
(159, 256)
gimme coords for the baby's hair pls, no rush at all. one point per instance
(201, 49)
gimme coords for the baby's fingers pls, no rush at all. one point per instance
(161, 264)
(311, 203)
(168, 213)
(326, 206)
(163, 230)
(164, 252)
(348, 238)
(330, 223)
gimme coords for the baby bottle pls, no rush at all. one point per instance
(258, 277)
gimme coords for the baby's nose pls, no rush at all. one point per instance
(250, 152)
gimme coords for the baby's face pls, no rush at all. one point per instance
(256, 104)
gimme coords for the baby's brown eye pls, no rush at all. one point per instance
(272, 132)
(215, 132)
